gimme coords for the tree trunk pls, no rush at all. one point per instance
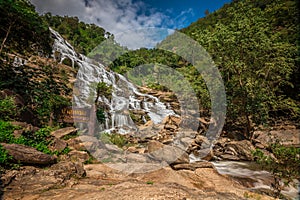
(6, 36)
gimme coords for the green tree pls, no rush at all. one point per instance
(22, 29)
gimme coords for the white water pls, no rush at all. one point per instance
(261, 179)
(125, 94)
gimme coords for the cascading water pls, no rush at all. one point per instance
(124, 96)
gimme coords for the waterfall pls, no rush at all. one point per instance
(124, 96)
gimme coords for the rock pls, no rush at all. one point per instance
(60, 133)
(288, 136)
(30, 181)
(69, 169)
(113, 148)
(170, 154)
(136, 158)
(105, 182)
(233, 150)
(90, 143)
(57, 144)
(28, 155)
(186, 142)
(24, 127)
(134, 149)
(149, 123)
(172, 120)
(154, 145)
(171, 127)
(76, 144)
(192, 166)
(18, 133)
(200, 139)
(79, 156)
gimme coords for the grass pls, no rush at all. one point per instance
(149, 182)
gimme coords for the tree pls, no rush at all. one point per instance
(22, 28)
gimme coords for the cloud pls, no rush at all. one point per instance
(115, 16)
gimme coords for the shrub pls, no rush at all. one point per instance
(8, 109)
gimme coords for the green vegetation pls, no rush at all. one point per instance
(149, 182)
(44, 94)
(113, 138)
(39, 140)
(8, 109)
(284, 165)
(22, 29)
(4, 157)
(84, 37)
(24, 33)
(254, 45)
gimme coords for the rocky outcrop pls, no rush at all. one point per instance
(288, 136)
(103, 182)
(29, 182)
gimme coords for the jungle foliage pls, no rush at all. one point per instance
(255, 46)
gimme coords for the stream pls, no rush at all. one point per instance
(248, 175)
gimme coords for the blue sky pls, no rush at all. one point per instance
(184, 12)
(120, 16)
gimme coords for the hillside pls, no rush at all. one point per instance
(255, 46)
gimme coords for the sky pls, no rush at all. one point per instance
(129, 20)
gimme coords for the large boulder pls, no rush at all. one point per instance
(170, 154)
(28, 155)
(60, 133)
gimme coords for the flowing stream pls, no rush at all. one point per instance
(247, 174)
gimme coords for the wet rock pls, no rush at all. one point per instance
(28, 155)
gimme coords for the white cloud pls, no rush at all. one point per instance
(115, 16)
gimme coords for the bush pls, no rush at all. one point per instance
(8, 109)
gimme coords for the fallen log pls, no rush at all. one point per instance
(28, 155)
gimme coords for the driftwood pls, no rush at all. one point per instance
(28, 155)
